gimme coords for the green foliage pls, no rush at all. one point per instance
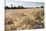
(42, 6)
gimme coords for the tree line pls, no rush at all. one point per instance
(19, 7)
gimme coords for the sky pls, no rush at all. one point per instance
(32, 3)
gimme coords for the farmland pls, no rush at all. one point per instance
(21, 19)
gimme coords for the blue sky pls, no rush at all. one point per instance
(23, 3)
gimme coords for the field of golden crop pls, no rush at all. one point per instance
(21, 19)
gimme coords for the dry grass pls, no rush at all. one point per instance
(24, 19)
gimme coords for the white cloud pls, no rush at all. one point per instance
(33, 0)
(22, 3)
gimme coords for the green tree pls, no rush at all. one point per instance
(22, 7)
(42, 6)
(18, 7)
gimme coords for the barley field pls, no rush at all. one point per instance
(21, 19)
